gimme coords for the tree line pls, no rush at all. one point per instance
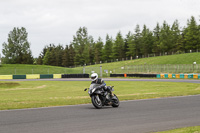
(164, 39)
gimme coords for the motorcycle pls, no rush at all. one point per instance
(100, 97)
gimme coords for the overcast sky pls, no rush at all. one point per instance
(56, 21)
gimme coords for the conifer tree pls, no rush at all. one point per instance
(191, 35)
(65, 57)
(131, 45)
(107, 50)
(118, 47)
(98, 50)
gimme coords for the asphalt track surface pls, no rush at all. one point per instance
(138, 116)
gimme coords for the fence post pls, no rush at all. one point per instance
(83, 69)
(101, 71)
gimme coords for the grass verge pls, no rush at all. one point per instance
(34, 94)
(195, 129)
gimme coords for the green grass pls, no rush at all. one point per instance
(195, 129)
(34, 94)
(114, 67)
(11, 69)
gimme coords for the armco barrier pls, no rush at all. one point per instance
(190, 76)
(46, 76)
(182, 76)
(134, 75)
(173, 75)
(75, 75)
(195, 76)
(185, 76)
(57, 76)
(32, 76)
(177, 76)
(116, 75)
(142, 75)
(6, 77)
(158, 75)
(19, 76)
(170, 76)
(162, 75)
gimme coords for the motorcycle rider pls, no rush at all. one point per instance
(95, 79)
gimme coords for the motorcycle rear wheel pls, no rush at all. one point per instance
(96, 101)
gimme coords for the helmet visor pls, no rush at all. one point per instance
(93, 77)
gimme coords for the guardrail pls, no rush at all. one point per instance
(44, 76)
(171, 76)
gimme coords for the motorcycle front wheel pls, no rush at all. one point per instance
(115, 101)
(96, 101)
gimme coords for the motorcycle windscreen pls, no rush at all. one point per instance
(92, 86)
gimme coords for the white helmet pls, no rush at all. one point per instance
(94, 76)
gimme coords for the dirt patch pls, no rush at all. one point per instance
(40, 87)
(68, 97)
(9, 85)
(198, 88)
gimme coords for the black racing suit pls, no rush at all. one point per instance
(100, 82)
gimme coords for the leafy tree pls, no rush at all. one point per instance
(17, 50)
(80, 40)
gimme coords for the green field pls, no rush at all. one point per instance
(195, 129)
(154, 64)
(34, 94)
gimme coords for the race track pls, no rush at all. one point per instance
(139, 116)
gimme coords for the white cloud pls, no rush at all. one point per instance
(56, 21)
